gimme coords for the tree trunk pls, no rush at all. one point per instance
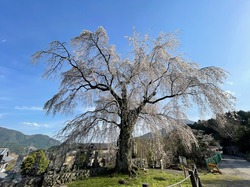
(124, 153)
(124, 143)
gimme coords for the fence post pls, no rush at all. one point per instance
(192, 179)
(197, 178)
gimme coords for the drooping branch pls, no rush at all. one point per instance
(85, 126)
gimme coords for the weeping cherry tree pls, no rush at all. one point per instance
(151, 88)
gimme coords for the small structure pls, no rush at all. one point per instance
(4, 158)
(4, 152)
(30, 149)
(91, 155)
(80, 156)
(212, 163)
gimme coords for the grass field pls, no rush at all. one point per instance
(159, 178)
(217, 180)
(155, 178)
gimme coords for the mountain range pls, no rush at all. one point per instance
(18, 142)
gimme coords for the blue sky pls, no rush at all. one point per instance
(212, 33)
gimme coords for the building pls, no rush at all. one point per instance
(4, 158)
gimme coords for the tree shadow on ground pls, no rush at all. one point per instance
(159, 178)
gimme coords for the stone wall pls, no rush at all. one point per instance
(56, 179)
(52, 179)
(25, 182)
(65, 166)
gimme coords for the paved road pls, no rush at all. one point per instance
(235, 173)
(237, 166)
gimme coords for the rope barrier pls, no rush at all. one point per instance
(179, 182)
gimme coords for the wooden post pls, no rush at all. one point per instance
(192, 178)
(197, 178)
(183, 162)
(184, 169)
(145, 185)
(199, 182)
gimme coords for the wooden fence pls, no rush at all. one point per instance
(194, 178)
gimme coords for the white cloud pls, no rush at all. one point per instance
(230, 92)
(34, 124)
(31, 124)
(82, 109)
(29, 108)
(4, 40)
(230, 82)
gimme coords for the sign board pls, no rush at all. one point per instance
(183, 160)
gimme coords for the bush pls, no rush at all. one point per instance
(35, 164)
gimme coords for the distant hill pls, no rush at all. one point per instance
(18, 142)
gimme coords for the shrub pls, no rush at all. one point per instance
(35, 164)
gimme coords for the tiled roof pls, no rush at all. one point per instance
(2, 175)
(7, 158)
(3, 150)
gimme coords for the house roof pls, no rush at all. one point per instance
(3, 151)
(7, 158)
(3, 175)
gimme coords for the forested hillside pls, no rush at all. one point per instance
(234, 130)
(17, 142)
